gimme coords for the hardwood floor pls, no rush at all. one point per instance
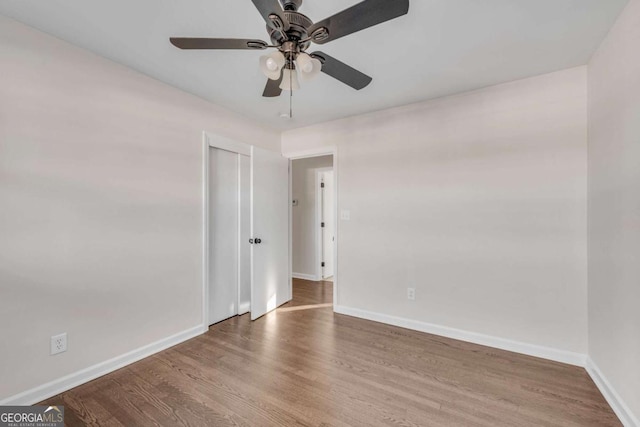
(305, 365)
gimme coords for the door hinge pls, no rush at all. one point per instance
(322, 185)
(322, 225)
(322, 264)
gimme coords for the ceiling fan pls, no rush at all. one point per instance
(292, 33)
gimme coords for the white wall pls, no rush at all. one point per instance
(100, 206)
(304, 235)
(477, 200)
(614, 208)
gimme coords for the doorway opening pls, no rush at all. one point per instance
(313, 224)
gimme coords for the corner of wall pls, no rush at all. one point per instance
(618, 405)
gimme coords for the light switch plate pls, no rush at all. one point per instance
(345, 215)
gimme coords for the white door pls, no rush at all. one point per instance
(270, 285)
(328, 233)
(224, 189)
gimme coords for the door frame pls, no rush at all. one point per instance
(318, 223)
(211, 140)
(317, 152)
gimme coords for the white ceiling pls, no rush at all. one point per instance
(440, 48)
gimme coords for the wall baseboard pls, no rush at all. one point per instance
(60, 385)
(57, 386)
(621, 409)
(302, 276)
(557, 355)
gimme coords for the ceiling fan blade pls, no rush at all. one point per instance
(267, 9)
(341, 71)
(272, 89)
(363, 15)
(203, 43)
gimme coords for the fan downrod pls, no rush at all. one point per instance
(291, 5)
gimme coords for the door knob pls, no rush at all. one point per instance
(251, 241)
(258, 241)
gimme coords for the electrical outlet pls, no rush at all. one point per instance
(411, 294)
(58, 343)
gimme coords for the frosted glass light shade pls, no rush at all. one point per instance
(309, 67)
(289, 80)
(272, 64)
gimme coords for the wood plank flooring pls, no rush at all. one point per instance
(303, 365)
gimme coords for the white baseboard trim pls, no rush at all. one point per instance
(557, 355)
(621, 409)
(305, 277)
(45, 391)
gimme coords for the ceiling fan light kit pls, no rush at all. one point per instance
(309, 67)
(304, 66)
(272, 64)
(289, 80)
(292, 33)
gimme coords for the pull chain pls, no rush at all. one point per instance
(291, 95)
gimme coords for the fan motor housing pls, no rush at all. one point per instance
(298, 29)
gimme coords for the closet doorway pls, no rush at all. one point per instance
(229, 234)
(246, 230)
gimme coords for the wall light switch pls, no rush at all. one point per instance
(345, 215)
